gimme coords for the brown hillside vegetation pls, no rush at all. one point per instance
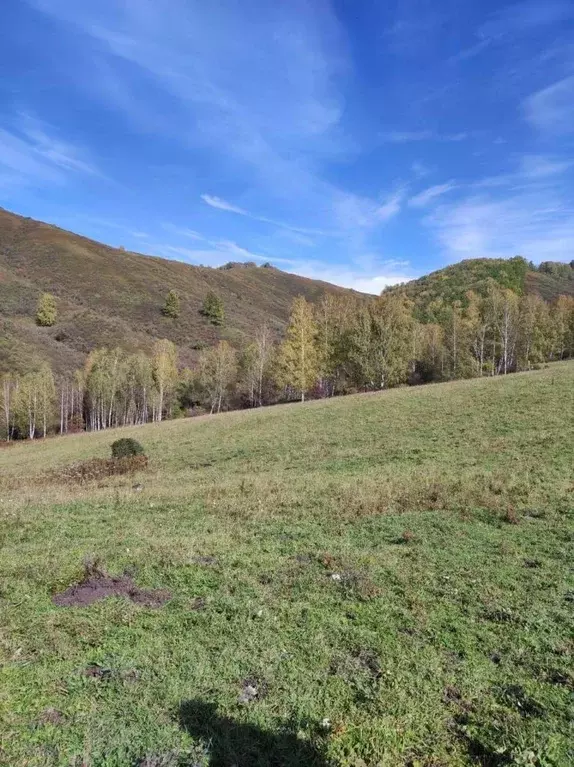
(110, 296)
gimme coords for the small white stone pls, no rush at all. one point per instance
(336, 577)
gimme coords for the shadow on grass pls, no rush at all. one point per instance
(232, 743)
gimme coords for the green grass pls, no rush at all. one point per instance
(445, 513)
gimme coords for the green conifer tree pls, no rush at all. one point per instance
(213, 309)
(172, 305)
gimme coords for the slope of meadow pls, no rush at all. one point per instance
(380, 579)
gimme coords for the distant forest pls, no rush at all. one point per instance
(343, 344)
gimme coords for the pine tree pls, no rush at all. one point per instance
(213, 309)
(46, 311)
(299, 357)
(172, 305)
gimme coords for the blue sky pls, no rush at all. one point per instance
(363, 142)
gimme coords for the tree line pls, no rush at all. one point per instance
(343, 344)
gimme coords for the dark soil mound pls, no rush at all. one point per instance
(100, 586)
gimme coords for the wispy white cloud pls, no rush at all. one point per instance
(391, 207)
(531, 171)
(405, 137)
(424, 198)
(513, 21)
(358, 213)
(471, 51)
(32, 154)
(183, 231)
(218, 254)
(54, 150)
(367, 274)
(225, 78)
(420, 169)
(524, 17)
(220, 204)
(551, 110)
(538, 166)
(214, 252)
(350, 211)
(529, 223)
(372, 281)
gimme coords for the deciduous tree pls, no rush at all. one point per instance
(299, 356)
(164, 373)
(217, 373)
(46, 311)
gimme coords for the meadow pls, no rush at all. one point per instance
(381, 579)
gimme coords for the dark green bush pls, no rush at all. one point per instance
(126, 447)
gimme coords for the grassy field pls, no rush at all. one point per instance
(375, 580)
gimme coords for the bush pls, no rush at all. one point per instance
(126, 447)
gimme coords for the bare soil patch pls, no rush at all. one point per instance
(97, 586)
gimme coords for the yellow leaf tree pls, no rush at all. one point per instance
(164, 372)
(299, 357)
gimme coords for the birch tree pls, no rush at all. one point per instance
(8, 390)
(164, 373)
(299, 357)
(217, 373)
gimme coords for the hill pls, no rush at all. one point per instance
(108, 295)
(549, 280)
(376, 579)
(114, 297)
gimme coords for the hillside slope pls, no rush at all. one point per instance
(549, 280)
(110, 296)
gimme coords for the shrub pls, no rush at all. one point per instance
(126, 447)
